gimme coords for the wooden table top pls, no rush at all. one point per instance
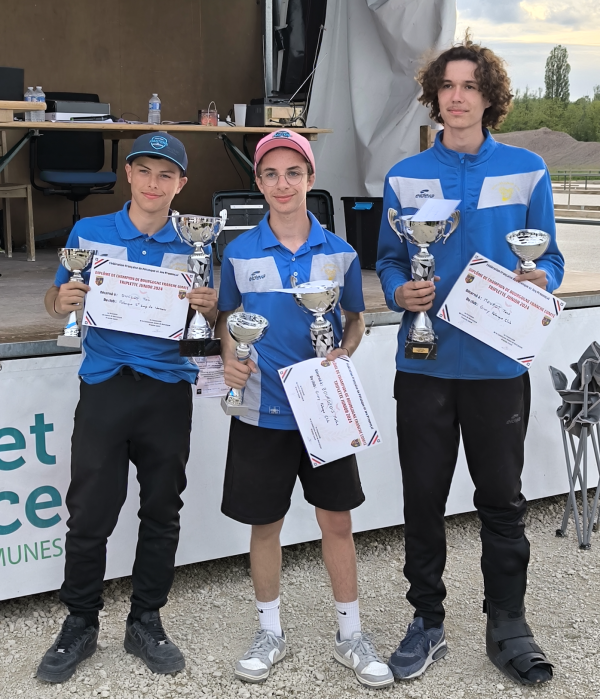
(123, 130)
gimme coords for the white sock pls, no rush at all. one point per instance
(348, 619)
(268, 616)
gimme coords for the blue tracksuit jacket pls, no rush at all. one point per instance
(501, 189)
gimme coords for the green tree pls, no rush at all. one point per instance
(557, 75)
(596, 97)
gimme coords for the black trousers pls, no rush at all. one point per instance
(492, 416)
(137, 418)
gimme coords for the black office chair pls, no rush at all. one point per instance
(71, 161)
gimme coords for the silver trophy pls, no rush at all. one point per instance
(246, 329)
(421, 341)
(319, 298)
(76, 261)
(199, 231)
(528, 244)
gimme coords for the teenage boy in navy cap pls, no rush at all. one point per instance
(135, 405)
(266, 453)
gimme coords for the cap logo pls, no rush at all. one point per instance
(282, 134)
(159, 142)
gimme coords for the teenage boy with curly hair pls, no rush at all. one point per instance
(470, 389)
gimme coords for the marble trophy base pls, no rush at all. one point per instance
(233, 409)
(68, 341)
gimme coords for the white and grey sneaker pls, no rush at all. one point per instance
(359, 654)
(256, 663)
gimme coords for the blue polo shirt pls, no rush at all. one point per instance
(254, 264)
(105, 352)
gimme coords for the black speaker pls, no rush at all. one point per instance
(12, 81)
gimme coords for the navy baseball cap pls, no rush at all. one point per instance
(161, 144)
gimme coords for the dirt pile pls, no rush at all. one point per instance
(559, 150)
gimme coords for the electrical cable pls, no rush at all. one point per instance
(233, 164)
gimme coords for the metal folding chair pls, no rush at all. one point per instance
(579, 417)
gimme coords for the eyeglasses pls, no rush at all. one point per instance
(293, 177)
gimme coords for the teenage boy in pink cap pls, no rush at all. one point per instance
(266, 453)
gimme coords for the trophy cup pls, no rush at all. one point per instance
(246, 329)
(421, 341)
(528, 244)
(199, 231)
(319, 298)
(76, 261)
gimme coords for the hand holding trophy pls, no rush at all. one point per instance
(76, 261)
(199, 231)
(245, 329)
(421, 342)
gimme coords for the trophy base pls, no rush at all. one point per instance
(420, 350)
(233, 409)
(203, 347)
(68, 341)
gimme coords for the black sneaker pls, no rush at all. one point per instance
(74, 643)
(147, 639)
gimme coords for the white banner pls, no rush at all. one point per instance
(38, 399)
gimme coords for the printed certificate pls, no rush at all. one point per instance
(514, 318)
(330, 407)
(211, 381)
(139, 299)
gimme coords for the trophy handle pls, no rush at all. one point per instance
(454, 220)
(393, 219)
(223, 215)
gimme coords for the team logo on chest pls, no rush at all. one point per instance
(506, 190)
(256, 276)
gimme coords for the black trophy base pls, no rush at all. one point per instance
(204, 347)
(420, 350)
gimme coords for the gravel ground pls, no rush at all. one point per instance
(212, 617)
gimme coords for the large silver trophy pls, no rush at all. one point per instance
(199, 231)
(528, 244)
(319, 298)
(76, 261)
(421, 341)
(246, 329)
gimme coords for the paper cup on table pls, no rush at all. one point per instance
(239, 111)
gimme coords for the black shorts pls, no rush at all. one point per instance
(261, 470)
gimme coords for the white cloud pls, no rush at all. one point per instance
(557, 21)
(524, 32)
(500, 12)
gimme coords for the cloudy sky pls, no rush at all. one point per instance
(524, 32)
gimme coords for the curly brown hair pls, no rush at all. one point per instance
(490, 73)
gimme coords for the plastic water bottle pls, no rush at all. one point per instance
(39, 96)
(154, 109)
(28, 98)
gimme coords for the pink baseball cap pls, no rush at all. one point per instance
(284, 139)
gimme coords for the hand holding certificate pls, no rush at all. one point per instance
(514, 318)
(136, 298)
(330, 407)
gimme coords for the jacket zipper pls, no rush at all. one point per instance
(463, 222)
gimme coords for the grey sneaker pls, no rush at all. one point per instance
(418, 650)
(74, 643)
(359, 654)
(256, 663)
(147, 639)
